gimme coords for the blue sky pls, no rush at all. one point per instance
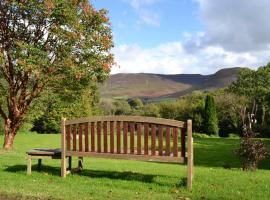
(188, 36)
(151, 23)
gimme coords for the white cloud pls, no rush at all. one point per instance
(236, 34)
(137, 4)
(171, 58)
(240, 26)
(145, 14)
(149, 17)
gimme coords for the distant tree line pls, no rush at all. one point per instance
(217, 112)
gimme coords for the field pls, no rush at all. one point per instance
(217, 175)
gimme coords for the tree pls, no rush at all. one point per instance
(58, 45)
(84, 103)
(150, 110)
(136, 103)
(122, 107)
(210, 116)
(255, 85)
(229, 107)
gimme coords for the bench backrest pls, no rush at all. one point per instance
(126, 135)
(135, 137)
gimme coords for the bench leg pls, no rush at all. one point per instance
(39, 164)
(29, 164)
(63, 166)
(80, 163)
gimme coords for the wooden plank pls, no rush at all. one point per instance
(92, 136)
(139, 138)
(68, 137)
(141, 119)
(74, 135)
(105, 134)
(44, 152)
(112, 136)
(86, 137)
(118, 139)
(190, 155)
(132, 128)
(183, 142)
(168, 159)
(45, 157)
(99, 137)
(168, 141)
(160, 140)
(175, 142)
(146, 134)
(63, 148)
(80, 138)
(125, 138)
(153, 137)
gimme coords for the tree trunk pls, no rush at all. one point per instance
(10, 132)
(8, 143)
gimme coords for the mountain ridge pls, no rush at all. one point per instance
(158, 86)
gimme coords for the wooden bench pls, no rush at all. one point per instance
(41, 153)
(128, 137)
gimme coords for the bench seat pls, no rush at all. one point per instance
(41, 153)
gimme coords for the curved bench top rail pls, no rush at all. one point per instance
(142, 119)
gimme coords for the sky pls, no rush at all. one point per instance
(188, 36)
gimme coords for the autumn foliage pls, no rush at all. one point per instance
(56, 45)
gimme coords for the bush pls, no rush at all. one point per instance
(251, 151)
(121, 107)
(151, 110)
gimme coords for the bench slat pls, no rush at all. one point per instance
(92, 136)
(112, 137)
(132, 137)
(74, 135)
(183, 142)
(175, 142)
(99, 137)
(80, 138)
(153, 137)
(125, 138)
(118, 137)
(139, 138)
(86, 137)
(160, 140)
(105, 144)
(146, 133)
(68, 137)
(168, 142)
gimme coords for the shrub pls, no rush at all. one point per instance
(151, 110)
(251, 151)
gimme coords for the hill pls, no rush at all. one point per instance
(160, 86)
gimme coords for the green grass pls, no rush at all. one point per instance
(121, 179)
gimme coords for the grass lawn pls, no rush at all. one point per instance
(121, 179)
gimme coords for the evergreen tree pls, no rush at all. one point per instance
(210, 116)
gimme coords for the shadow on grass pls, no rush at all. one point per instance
(124, 175)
